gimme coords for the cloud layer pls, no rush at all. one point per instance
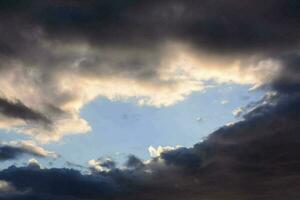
(15, 149)
(56, 57)
(67, 53)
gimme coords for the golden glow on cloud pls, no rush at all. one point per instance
(81, 76)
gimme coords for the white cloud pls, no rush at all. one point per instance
(238, 112)
(156, 152)
(33, 163)
(101, 165)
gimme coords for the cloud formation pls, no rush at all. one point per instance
(15, 149)
(6, 189)
(163, 50)
(102, 165)
(256, 158)
(58, 56)
(18, 110)
(156, 152)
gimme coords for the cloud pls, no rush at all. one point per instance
(15, 149)
(102, 165)
(156, 152)
(6, 187)
(82, 185)
(288, 81)
(134, 162)
(18, 110)
(253, 156)
(8, 191)
(245, 160)
(238, 112)
(66, 54)
(33, 163)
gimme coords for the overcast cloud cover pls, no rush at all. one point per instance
(56, 56)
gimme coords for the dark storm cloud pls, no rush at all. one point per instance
(229, 27)
(20, 111)
(270, 28)
(182, 157)
(134, 162)
(220, 25)
(58, 183)
(288, 80)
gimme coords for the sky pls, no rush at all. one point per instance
(121, 128)
(111, 99)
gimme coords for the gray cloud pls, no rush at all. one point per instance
(220, 26)
(20, 111)
(216, 25)
(288, 80)
(134, 163)
(15, 149)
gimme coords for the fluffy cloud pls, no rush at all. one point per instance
(156, 152)
(102, 165)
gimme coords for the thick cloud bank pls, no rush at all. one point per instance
(57, 56)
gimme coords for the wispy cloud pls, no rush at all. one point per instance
(15, 149)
